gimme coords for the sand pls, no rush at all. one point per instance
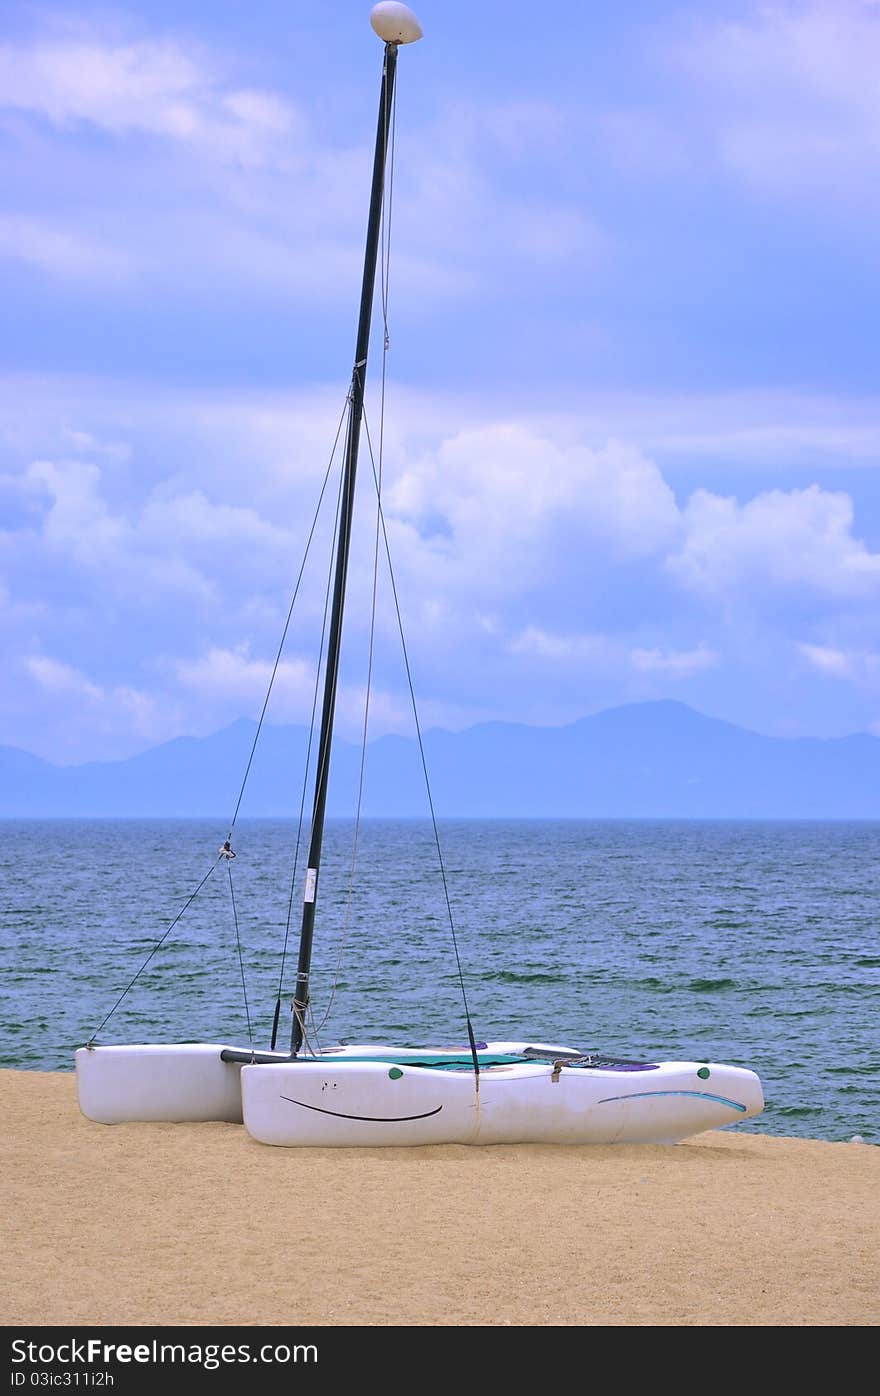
(198, 1224)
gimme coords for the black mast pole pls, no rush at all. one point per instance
(346, 508)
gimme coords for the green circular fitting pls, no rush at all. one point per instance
(395, 1073)
(704, 1073)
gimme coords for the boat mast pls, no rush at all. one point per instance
(396, 25)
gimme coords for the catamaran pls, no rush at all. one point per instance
(497, 1092)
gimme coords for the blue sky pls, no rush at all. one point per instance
(633, 428)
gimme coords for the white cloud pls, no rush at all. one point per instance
(56, 677)
(233, 674)
(79, 719)
(498, 510)
(190, 522)
(781, 541)
(455, 203)
(859, 666)
(77, 519)
(280, 193)
(115, 87)
(132, 550)
(608, 654)
(87, 444)
(231, 682)
(151, 87)
(505, 507)
(59, 251)
(587, 651)
(828, 660)
(677, 664)
(540, 576)
(758, 429)
(792, 93)
(283, 433)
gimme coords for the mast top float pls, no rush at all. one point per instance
(395, 23)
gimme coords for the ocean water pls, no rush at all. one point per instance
(748, 943)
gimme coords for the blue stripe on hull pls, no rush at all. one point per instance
(697, 1095)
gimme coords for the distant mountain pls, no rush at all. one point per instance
(641, 760)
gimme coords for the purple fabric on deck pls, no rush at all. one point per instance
(629, 1066)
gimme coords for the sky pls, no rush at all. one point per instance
(632, 427)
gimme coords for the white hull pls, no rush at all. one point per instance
(338, 1100)
(174, 1082)
(372, 1103)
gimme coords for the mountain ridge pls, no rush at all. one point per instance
(653, 760)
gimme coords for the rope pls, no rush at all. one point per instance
(287, 623)
(313, 1046)
(385, 236)
(156, 947)
(298, 1015)
(247, 1011)
(418, 726)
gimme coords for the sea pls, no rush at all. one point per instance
(751, 943)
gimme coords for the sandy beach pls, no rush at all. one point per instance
(198, 1224)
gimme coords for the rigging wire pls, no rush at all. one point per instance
(287, 621)
(316, 1028)
(226, 852)
(247, 1011)
(302, 802)
(310, 1038)
(380, 523)
(412, 694)
(380, 526)
(384, 276)
(387, 204)
(159, 943)
(277, 1013)
(226, 849)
